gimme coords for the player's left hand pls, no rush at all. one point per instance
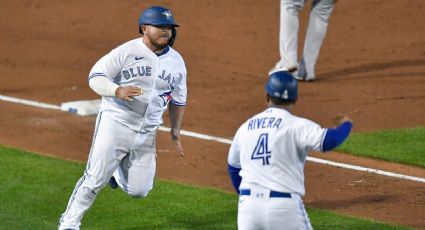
(175, 136)
(341, 118)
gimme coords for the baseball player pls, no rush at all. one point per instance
(137, 81)
(321, 11)
(267, 156)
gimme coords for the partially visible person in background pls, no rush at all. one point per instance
(321, 11)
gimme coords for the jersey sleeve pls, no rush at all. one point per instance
(179, 93)
(310, 136)
(234, 153)
(108, 66)
(234, 164)
(336, 136)
(103, 86)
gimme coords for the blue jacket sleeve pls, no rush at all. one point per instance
(234, 177)
(335, 137)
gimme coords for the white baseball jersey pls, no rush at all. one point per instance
(271, 149)
(162, 78)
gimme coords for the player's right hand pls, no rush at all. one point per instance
(175, 137)
(127, 93)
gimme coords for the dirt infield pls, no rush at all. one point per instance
(372, 65)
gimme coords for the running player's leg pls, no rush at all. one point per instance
(136, 172)
(316, 31)
(106, 152)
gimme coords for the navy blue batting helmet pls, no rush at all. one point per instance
(156, 16)
(282, 85)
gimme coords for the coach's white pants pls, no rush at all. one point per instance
(116, 150)
(260, 212)
(288, 37)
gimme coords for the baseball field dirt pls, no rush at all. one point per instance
(372, 66)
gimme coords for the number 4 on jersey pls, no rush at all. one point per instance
(261, 150)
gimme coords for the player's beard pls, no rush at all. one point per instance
(158, 44)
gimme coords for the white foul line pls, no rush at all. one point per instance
(28, 102)
(199, 136)
(228, 141)
(364, 169)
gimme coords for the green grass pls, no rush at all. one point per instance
(406, 146)
(327, 220)
(34, 191)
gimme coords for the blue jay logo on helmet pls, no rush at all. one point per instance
(168, 14)
(282, 85)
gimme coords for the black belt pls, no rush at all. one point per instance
(247, 192)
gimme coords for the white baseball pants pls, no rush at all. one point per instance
(288, 37)
(119, 151)
(259, 211)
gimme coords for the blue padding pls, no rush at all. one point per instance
(234, 177)
(245, 192)
(335, 137)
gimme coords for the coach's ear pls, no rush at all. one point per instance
(268, 101)
(173, 36)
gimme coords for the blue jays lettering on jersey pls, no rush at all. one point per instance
(138, 71)
(168, 78)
